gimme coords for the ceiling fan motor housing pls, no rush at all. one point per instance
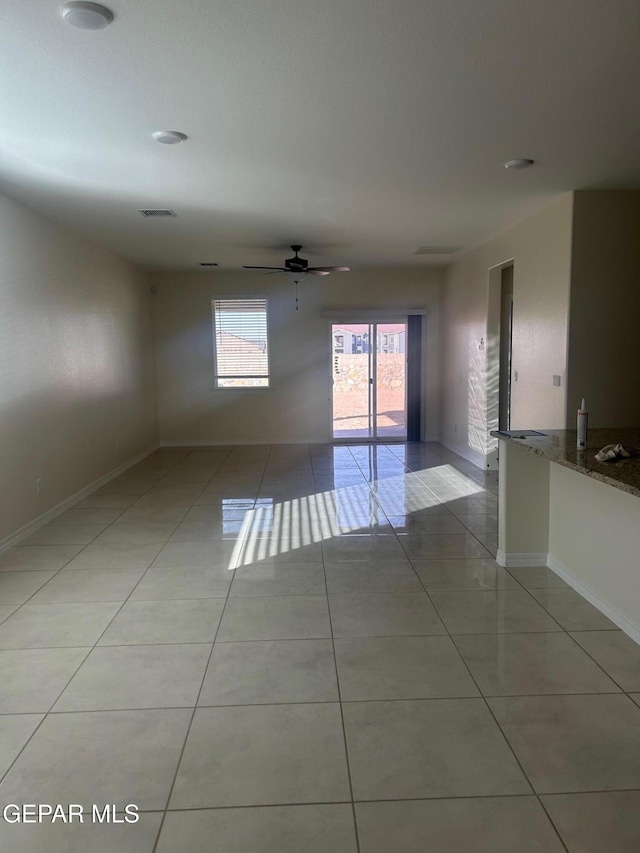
(296, 264)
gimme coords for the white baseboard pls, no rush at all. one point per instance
(197, 443)
(628, 625)
(491, 461)
(237, 442)
(58, 509)
(472, 456)
(514, 561)
(201, 443)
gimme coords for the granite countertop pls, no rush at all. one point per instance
(559, 445)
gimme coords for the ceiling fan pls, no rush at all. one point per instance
(297, 266)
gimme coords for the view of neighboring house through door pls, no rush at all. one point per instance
(369, 370)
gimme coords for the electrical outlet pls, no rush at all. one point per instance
(38, 486)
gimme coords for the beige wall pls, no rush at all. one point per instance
(540, 247)
(604, 328)
(523, 507)
(585, 530)
(297, 406)
(594, 541)
(77, 373)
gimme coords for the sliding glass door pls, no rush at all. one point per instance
(369, 366)
(390, 371)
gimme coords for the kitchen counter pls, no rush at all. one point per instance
(560, 508)
(559, 445)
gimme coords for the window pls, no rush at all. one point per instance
(241, 343)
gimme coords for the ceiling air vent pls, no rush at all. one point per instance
(158, 212)
(437, 250)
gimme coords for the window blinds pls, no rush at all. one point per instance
(241, 343)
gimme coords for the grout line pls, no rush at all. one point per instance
(461, 797)
(4, 775)
(552, 822)
(397, 800)
(386, 701)
(302, 804)
(344, 729)
(483, 698)
(569, 632)
(189, 727)
(600, 666)
(300, 639)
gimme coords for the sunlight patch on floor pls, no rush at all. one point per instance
(269, 531)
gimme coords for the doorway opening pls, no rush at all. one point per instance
(369, 372)
(499, 368)
(506, 347)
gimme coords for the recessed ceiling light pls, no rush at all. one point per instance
(518, 163)
(87, 16)
(169, 137)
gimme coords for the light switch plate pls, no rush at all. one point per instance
(556, 380)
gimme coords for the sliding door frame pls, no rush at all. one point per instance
(373, 380)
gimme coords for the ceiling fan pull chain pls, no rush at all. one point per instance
(296, 295)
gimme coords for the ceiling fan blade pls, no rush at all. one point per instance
(330, 269)
(279, 269)
(315, 272)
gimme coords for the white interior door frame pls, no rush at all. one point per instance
(492, 359)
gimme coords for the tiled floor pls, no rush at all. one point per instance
(309, 648)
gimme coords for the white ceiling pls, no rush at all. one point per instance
(362, 129)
